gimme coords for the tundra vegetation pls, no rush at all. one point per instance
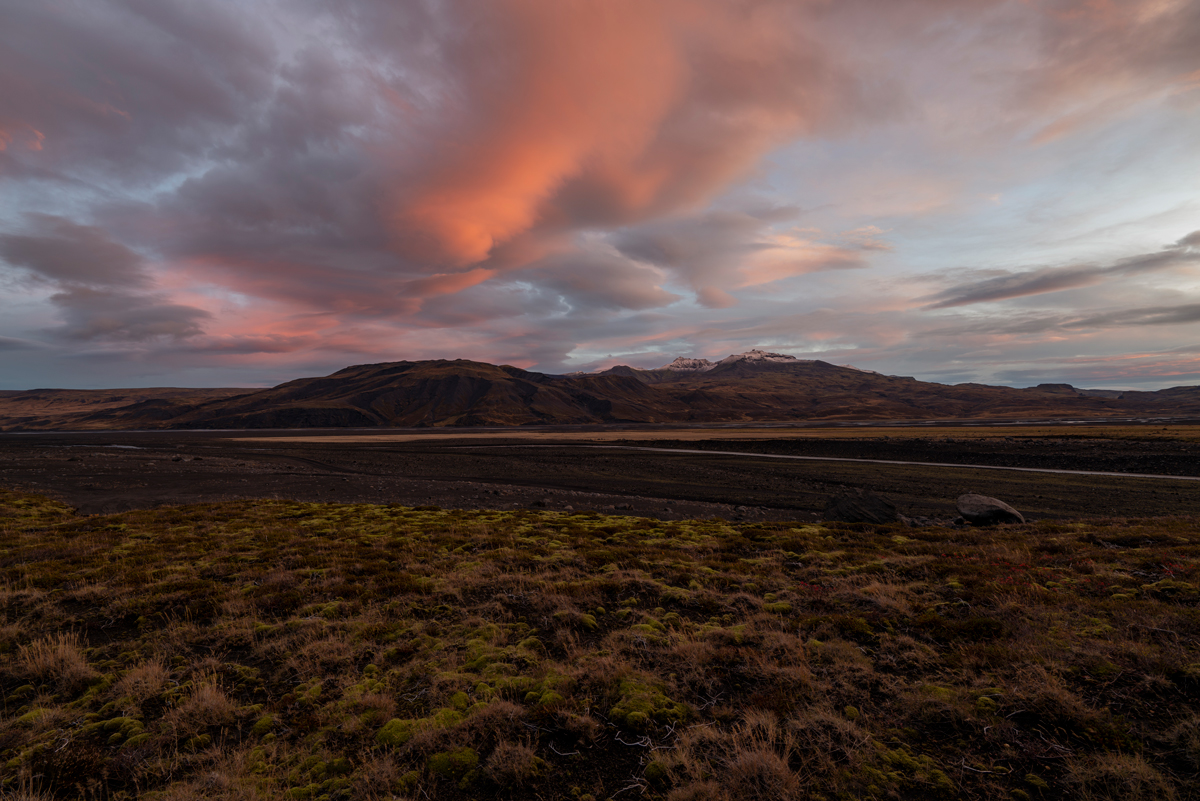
(275, 649)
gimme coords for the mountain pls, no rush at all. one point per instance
(747, 387)
(82, 409)
(441, 393)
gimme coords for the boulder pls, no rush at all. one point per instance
(980, 510)
(861, 506)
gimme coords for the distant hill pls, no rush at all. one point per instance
(748, 387)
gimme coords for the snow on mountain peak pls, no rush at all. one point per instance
(683, 364)
(859, 369)
(757, 355)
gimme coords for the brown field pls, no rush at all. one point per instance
(285, 650)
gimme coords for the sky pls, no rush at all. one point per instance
(243, 192)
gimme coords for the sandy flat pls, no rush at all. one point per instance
(1174, 432)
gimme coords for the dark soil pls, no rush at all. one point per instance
(1164, 457)
(117, 471)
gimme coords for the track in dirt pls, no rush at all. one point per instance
(885, 461)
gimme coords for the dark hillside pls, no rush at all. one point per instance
(468, 393)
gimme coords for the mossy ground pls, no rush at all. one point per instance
(275, 649)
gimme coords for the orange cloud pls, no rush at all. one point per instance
(33, 142)
(571, 113)
(784, 256)
(446, 283)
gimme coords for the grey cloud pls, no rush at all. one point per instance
(103, 286)
(131, 87)
(708, 250)
(1057, 279)
(1036, 323)
(1161, 315)
(1192, 240)
(78, 254)
(600, 281)
(101, 314)
(14, 343)
(1016, 285)
(244, 345)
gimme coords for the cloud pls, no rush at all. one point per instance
(1161, 315)
(590, 280)
(582, 115)
(1057, 279)
(245, 345)
(518, 179)
(732, 249)
(101, 314)
(103, 285)
(1027, 324)
(62, 250)
(14, 343)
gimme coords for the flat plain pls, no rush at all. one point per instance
(559, 467)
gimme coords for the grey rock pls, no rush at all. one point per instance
(861, 506)
(980, 510)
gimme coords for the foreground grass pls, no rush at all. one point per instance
(275, 649)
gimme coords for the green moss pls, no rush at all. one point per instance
(642, 702)
(445, 718)
(31, 717)
(1033, 780)
(985, 705)
(199, 742)
(453, 764)
(655, 773)
(397, 732)
(136, 740)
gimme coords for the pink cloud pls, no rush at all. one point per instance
(578, 113)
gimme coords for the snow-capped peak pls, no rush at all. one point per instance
(757, 356)
(683, 364)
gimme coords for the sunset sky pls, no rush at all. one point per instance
(211, 193)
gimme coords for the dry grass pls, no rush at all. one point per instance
(57, 658)
(285, 650)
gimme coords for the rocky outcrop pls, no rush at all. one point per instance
(980, 510)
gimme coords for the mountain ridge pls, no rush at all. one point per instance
(756, 386)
